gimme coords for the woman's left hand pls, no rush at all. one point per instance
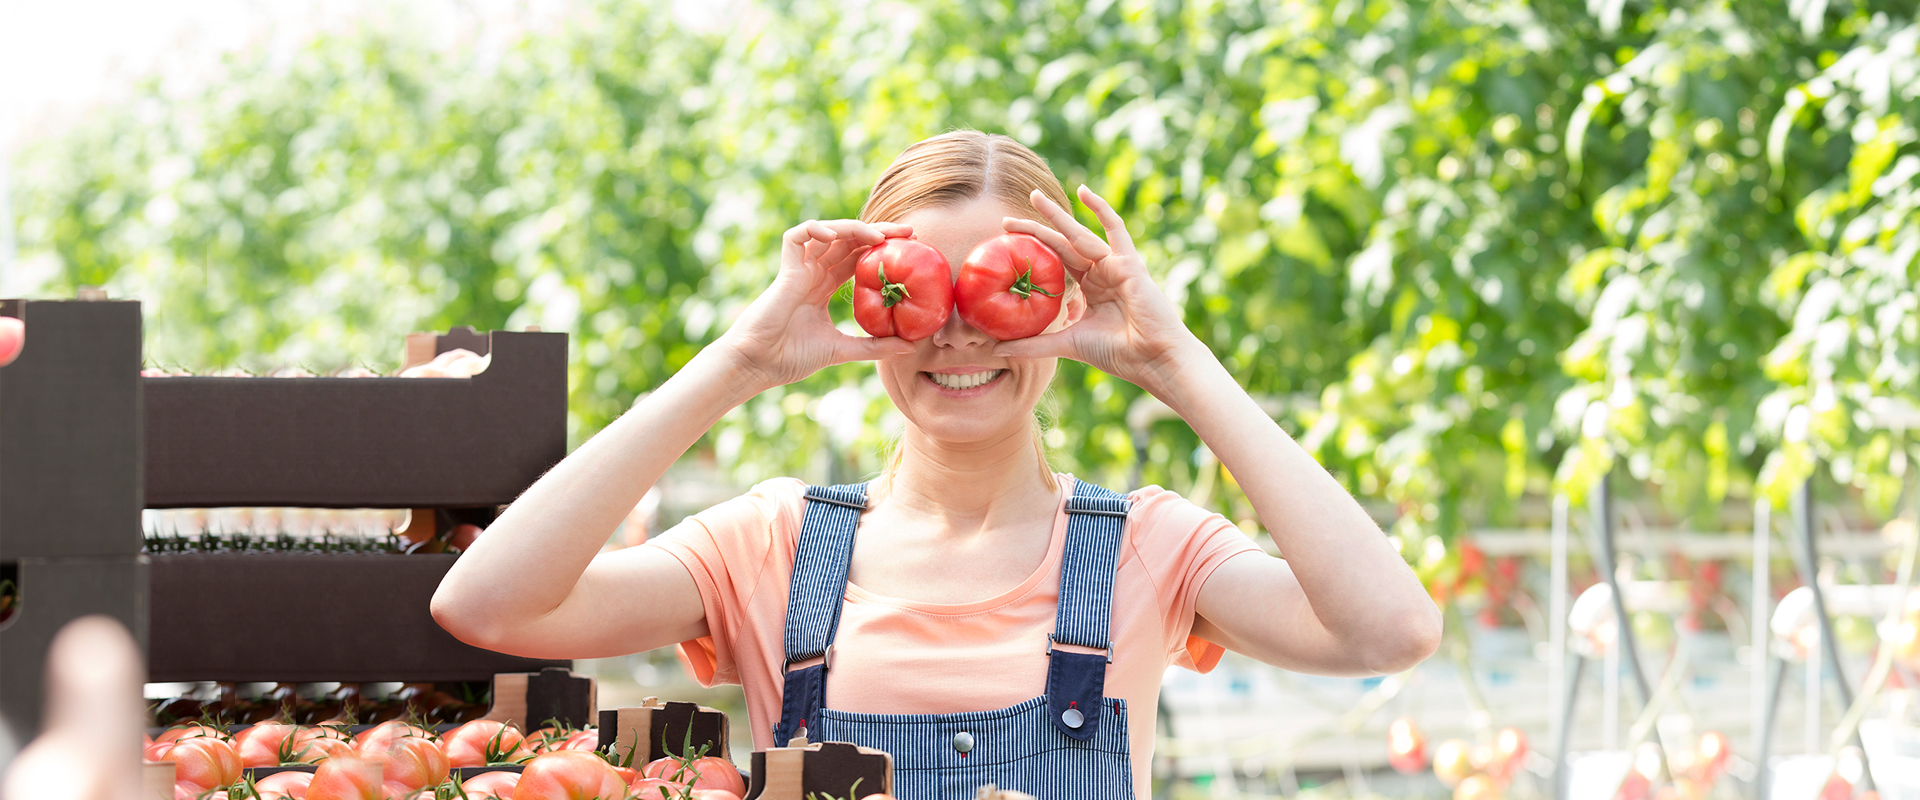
(1130, 329)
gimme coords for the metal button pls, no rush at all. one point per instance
(963, 742)
(1073, 718)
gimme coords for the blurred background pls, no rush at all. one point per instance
(1500, 265)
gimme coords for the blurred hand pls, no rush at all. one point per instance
(13, 337)
(89, 748)
(1130, 330)
(787, 334)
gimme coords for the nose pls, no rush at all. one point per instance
(957, 333)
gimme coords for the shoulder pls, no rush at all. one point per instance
(773, 504)
(1158, 512)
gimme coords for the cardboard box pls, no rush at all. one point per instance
(304, 617)
(654, 729)
(828, 768)
(362, 442)
(529, 699)
(70, 412)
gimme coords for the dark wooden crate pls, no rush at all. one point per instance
(362, 442)
(308, 617)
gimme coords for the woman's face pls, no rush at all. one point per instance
(952, 387)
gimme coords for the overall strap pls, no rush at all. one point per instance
(1076, 682)
(814, 598)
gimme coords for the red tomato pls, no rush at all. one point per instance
(902, 288)
(202, 762)
(1634, 786)
(1010, 287)
(491, 785)
(579, 740)
(1711, 754)
(705, 773)
(482, 742)
(284, 786)
(188, 730)
(650, 788)
(377, 739)
(1406, 747)
(463, 536)
(261, 745)
(1509, 752)
(714, 794)
(346, 777)
(312, 745)
(1477, 787)
(569, 775)
(1452, 762)
(413, 764)
(546, 740)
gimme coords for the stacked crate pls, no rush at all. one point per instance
(86, 444)
(71, 470)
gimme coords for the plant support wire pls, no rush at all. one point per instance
(1810, 575)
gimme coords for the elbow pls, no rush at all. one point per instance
(458, 618)
(1412, 639)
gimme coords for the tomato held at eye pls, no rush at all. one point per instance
(1010, 287)
(902, 288)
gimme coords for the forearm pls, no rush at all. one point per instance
(1359, 588)
(531, 558)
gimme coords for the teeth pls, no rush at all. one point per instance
(966, 381)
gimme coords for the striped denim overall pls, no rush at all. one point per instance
(1070, 742)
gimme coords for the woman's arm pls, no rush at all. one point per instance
(533, 584)
(1343, 601)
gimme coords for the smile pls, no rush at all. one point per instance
(966, 381)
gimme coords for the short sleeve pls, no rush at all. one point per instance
(1180, 545)
(726, 549)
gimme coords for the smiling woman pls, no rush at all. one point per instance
(979, 616)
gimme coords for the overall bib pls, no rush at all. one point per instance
(1068, 743)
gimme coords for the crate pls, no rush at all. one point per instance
(70, 458)
(53, 592)
(362, 442)
(86, 443)
(295, 617)
(70, 483)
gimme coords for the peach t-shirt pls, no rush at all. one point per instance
(895, 656)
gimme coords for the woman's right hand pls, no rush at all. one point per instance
(787, 334)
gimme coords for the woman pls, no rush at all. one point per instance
(948, 632)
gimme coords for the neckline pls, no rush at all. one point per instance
(1049, 566)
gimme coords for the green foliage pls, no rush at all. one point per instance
(1476, 250)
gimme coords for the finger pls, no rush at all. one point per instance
(894, 230)
(1117, 235)
(857, 348)
(1076, 263)
(1085, 242)
(856, 230)
(1060, 344)
(837, 254)
(794, 245)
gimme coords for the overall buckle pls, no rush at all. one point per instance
(1050, 643)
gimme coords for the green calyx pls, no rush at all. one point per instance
(891, 293)
(1023, 286)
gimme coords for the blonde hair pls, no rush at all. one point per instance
(954, 168)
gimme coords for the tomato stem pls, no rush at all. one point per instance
(891, 293)
(1024, 285)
